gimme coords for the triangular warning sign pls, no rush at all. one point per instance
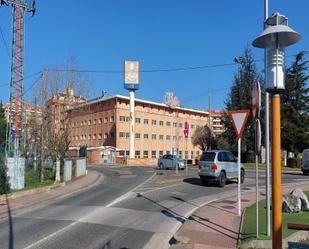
(239, 119)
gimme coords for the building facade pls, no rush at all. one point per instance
(104, 123)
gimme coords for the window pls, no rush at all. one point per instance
(192, 154)
(153, 154)
(89, 137)
(127, 134)
(186, 155)
(121, 153)
(94, 121)
(222, 157)
(180, 125)
(137, 135)
(137, 154)
(146, 121)
(174, 138)
(112, 119)
(127, 119)
(168, 137)
(161, 137)
(122, 134)
(89, 122)
(137, 120)
(153, 136)
(192, 126)
(161, 153)
(168, 123)
(94, 136)
(174, 124)
(208, 156)
(105, 135)
(161, 123)
(145, 136)
(154, 122)
(180, 154)
(168, 152)
(145, 153)
(105, 120)
(100, 136)
(197, 153)
(180, 138)
(100, 121)
(122, 118)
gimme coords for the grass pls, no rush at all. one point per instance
(249, 224)
(262, 166)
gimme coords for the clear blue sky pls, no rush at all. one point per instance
(101, 34)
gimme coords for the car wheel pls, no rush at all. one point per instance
(222, 179)
(161, 166)
(242, 176)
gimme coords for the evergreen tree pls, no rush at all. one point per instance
(295, 106)
(203, 138)
(240, 97)
(2, 128)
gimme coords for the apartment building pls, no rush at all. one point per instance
(103, 125)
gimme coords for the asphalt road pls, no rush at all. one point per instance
(149, 216)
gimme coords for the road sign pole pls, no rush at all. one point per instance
(257, 193)
(186, 159)
(132, 121)
(238, 191)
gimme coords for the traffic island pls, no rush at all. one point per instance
(248, 229)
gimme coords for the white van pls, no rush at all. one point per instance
(305, 162)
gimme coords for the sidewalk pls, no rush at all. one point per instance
(217, 224)
(29, 198)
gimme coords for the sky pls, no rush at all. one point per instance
(161, 34)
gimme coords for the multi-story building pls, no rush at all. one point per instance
(56, 106)
(216, 123)
(103, 125)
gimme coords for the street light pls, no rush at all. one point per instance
(275, 38)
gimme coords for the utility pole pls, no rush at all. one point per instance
(266, 130)
(15, 136)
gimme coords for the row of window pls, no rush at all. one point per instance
(104, 120)
(154, 122)
(146, 136)
(93, 136)
(156, 154)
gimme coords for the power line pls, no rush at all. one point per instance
(27, 77)
(5, 44)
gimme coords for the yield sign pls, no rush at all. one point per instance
(239, 119)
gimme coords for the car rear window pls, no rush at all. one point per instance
(208, 156)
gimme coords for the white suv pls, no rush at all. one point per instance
(219, 166)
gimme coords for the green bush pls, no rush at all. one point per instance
(49, 175)
(250, 156)
(4, 181)
(292, 162)
(32, 178)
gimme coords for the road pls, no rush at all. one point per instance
(147, 217)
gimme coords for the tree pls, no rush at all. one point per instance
(203, 138)
(240, 98)
(4, 181)
(295, 106)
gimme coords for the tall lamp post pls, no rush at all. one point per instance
(275, 38)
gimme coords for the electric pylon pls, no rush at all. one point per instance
(16, 130)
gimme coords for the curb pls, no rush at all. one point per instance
(92, 184)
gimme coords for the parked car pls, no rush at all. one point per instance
(171, 162)
(305, 162)
(219, 166)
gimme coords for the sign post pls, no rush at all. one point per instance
(239, 119)
(131, 83)
(186, 133)
(256, 106)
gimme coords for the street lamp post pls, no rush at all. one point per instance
(275, 38)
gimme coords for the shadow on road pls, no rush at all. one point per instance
(197, 181)
(11, 234)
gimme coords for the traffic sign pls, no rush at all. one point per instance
(256, 99)
(239, 119)
(186, 129)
